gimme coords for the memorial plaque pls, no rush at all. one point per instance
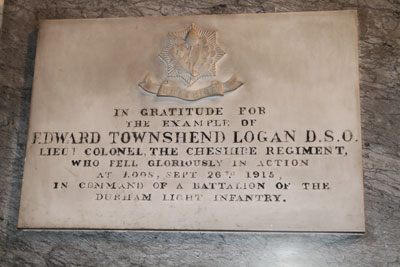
(244, 122)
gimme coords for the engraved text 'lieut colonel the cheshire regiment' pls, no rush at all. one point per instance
(188, 56)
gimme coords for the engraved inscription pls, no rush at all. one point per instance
(282, 153)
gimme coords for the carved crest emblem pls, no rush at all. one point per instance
(190, 55)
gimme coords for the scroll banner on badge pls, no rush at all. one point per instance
(171, 89)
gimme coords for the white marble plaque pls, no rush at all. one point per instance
(221, 122)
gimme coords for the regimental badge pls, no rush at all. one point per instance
(190, 55)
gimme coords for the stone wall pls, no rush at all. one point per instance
(379, 34)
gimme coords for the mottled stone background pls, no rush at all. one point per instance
(379, 33)
(1, 11)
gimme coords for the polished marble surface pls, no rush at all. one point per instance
(1, 12)
(379, 45)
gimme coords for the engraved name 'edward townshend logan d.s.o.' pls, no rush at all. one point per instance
(190, 55)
